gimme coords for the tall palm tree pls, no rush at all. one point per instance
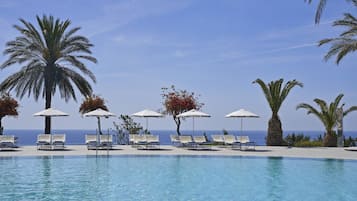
(275, 95)
(51, 59)
(328, 116)
(346, 42)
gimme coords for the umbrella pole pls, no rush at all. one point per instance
(146, 124)
(241, 126)
(193, 125)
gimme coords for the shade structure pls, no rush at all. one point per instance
(50, 112)
(242, 113)
(193, 113)
(99, 113)
(147, 114)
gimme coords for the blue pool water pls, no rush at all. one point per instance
(151, 178)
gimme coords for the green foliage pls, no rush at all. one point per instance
(346, 42)
(275, 95)
(52, 58)
(125, 127)
(350, 142)
(328, 115)
(309, 144)
(300, 140)
(225, 132)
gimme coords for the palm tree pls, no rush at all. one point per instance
(346, 42)
(51, 59)
(328, 116)
(275, 95)
(320, 9)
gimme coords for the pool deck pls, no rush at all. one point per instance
(261, 151)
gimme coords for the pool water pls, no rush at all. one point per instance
(176, 178)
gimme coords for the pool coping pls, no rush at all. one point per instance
(263, 151)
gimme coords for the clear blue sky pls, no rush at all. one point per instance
(213, 48)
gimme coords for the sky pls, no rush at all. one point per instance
(215, 49)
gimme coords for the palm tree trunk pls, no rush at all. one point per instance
(275, 132)
(330, 139)
(48, 119)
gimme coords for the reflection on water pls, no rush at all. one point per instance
(274, 182)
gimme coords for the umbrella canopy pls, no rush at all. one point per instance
(147, 113)
(242, 113)
(99, 113)
(193, 113)
(50, 112)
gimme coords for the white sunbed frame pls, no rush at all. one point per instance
(7, 142)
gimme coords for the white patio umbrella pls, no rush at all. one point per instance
(99, 113)
(242, 113)
(147, 114)
(50, 112)
(193, 113)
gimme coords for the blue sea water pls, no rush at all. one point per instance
(76, 137)
(151, 178)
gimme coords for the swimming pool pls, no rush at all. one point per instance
(184, 178)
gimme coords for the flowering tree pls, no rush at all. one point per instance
(177, 102)
(8, 107)
(91, 103)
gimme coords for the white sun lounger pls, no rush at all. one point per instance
(91, 141)
(186, 140)
(106, 141)
(246, 143)
(44, 141)
(200, 142)
(218, 139)
(58, 141)
(230, 140)
(132, 138)
(152, 142)
(7, 142)
(175, 140)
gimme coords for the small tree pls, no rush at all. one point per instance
(125, 127)
(91, 103)
(275, 94)
(177, 102)
(327, 114)
(8, 107)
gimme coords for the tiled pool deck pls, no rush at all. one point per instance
(261, 151)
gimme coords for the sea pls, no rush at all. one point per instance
(77, 137)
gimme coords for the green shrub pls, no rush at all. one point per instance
(300, 140)
(350, 142)
(308, 144)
